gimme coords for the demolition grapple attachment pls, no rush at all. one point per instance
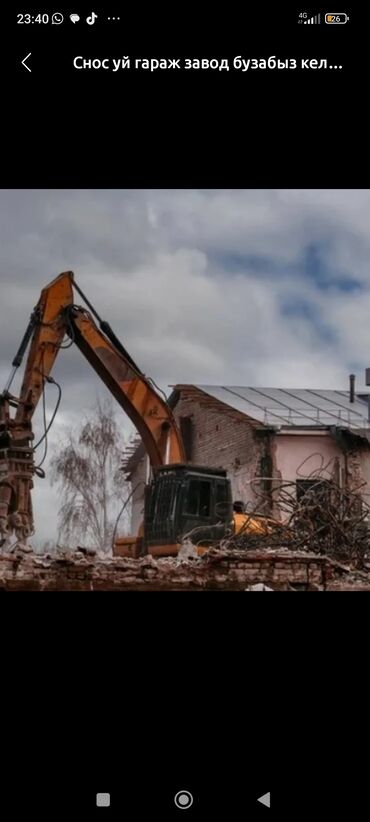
(16, 474)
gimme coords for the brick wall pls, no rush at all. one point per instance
(222, 571)
(355, 476)
(222, 439)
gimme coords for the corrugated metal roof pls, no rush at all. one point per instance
(293, 406)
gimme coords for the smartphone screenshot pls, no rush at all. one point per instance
(184, 409)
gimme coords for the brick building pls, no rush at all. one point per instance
(263, 436)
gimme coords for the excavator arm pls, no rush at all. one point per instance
(54, 317)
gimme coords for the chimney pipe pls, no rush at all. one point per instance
(352, 387)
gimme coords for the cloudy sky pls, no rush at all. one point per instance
(238, 287)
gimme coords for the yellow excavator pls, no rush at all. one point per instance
(180, 499)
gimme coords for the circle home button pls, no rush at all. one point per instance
(183, 800)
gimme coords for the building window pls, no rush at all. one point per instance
(319, 488)
(186, 429)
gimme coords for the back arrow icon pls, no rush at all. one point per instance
(24, 61)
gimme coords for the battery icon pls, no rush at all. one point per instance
(336, 19)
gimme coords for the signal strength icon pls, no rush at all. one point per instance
(313, 20)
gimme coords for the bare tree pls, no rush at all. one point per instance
(87, 471)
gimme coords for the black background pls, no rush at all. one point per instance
(171, 128)
(142, 696)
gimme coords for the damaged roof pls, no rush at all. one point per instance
(278, 408)
(298, 407)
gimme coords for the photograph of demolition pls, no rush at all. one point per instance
(185, 390)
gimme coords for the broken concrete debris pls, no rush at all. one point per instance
(278, 570)
(324, 519)
(259, 587)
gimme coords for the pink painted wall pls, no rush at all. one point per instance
(322, 455)
(291, 450)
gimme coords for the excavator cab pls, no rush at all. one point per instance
(186, 500)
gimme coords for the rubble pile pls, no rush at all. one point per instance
(219, 570)
(326, 520)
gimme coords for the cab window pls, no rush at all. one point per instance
(198, 503)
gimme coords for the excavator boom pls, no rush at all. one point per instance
(180, 501)
(54, 317)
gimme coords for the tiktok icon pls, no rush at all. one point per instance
(91, 20)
